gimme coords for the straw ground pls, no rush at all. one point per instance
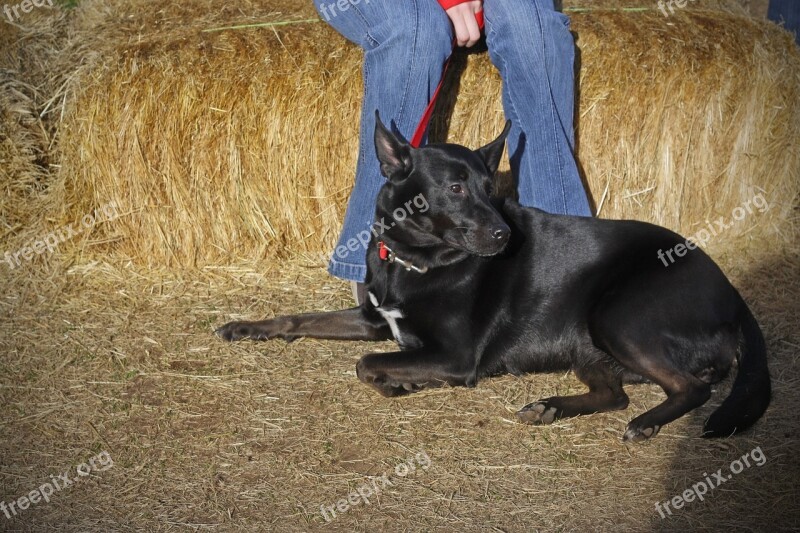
(212, 436)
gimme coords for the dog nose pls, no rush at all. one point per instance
(501, 233)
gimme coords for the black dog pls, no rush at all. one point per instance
(478, 286)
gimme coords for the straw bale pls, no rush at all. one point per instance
(240, 144)
(30, 46)
(22, 155)
(33, 77)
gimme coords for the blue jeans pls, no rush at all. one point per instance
(406, 43)
(786, 12)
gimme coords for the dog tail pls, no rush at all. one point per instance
(751, 390)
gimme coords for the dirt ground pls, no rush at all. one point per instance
(206, 435)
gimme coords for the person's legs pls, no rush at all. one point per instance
(406, 43)
(786, 12)
(530, 44)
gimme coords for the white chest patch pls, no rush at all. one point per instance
(391, 316)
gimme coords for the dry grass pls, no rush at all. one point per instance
(213, 436)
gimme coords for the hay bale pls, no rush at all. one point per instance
(33, 78)
(239, 145)
(23, 155)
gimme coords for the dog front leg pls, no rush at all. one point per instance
(399, 373)
(349, 325)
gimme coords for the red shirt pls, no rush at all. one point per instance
(447, 4)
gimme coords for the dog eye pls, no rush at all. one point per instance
(456, 188)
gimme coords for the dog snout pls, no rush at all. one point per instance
(501, 233)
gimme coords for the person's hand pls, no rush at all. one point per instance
(464, 24)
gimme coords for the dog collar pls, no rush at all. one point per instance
(386, 254)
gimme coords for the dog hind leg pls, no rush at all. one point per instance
(685, 391)
(605, 394)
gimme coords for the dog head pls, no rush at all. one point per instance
(441, 195)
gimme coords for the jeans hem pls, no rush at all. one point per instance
(347, 271)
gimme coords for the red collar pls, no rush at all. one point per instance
(386, 254)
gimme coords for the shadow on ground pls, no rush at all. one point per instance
(755, 498)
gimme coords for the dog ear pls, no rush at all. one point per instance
(492, 152)
(393, 151)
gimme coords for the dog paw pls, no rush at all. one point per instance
(636, 433)
(235, 331)
(389, 388)
(538, 413)
(384, 384)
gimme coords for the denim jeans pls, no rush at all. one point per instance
(406, 43)
(786, 12)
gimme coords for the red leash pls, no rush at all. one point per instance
(422, 127)
(416, 139)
